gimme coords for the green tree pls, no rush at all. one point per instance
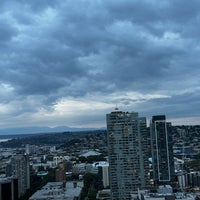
(194, 164)
(90, 186)
(92, 193)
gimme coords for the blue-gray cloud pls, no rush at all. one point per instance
(51, 50)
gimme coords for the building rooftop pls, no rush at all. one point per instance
(59, 191)
(6, 179)
(100, 164)
(90, 153)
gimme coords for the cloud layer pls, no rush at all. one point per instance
(71, 62)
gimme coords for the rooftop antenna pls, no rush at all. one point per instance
(116, 108)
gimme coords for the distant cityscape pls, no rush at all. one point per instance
(129, 160)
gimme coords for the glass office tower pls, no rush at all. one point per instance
(162, 151)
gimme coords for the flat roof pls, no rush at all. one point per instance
(59, 191)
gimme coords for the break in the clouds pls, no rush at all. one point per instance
(71, 62)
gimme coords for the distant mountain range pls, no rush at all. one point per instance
(35, 130)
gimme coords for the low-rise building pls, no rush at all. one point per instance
(59, 191)
(104, 194)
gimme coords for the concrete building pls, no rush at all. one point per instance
(103, 173)
(21, 170)
(193, 179)
(178, 164)
(188, 180)
(8, 188)
(30, 149)
(103, 195)
(61, 172)
(81, 168)
(162, 151)
(59, 191)
(58, 159)
(128, 159)
(181, 178)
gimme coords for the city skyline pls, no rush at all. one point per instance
(68, 63)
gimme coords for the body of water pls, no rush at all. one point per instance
(5, 140)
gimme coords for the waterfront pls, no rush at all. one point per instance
(5, 140)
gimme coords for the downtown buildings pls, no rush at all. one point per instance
(129, 152)
(19, 168)
(162, 151)
(127, 149)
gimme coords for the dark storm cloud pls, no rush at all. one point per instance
(5, 33)
(55, 49)
(83, 36)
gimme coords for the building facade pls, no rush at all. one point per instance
(59, 191)
(21, 170)
(8, 188)
(61, 172)
(162, 151)
(103, 174)
(128, 159)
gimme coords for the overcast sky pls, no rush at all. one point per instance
(70, 62)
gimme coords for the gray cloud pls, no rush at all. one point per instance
(50, 50)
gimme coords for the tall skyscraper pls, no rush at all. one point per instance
(128, 160)
(162, 152)
(21, 170)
